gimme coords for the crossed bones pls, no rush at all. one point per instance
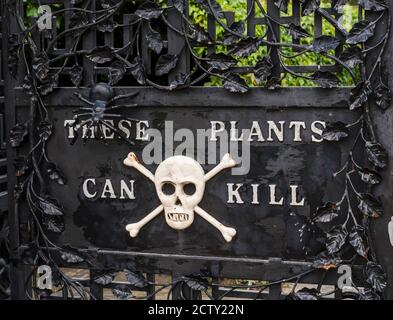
(134, 228)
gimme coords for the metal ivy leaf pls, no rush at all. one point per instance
(44, 129)
(357, 240)
(18, 134)
(55, 173)
(304, 294)
(215, 6)
(372, 5)
(49, 84)
(122, 291)
(376, 154)
(369, 294)
(78, 21)
(165, 64)
(359, 95)
(309, 6)
(282, 5)
(101, 55)
(234, 83)
(71, 258)
(375, 276)
(326, 213)
(325, 79)
(106, 4)
(229, 38)
(116, 72)
(105, 278)
(339, 4)
(263, 69)
(361, 32)
(40, 66)
(197, 283)
(335, 131)
(352, 56)
(13, 54)
(247, 46)
(108, 25)
(221, 61)
(135, 278)
(370, 206)
(336, 238)
(149, 10)
(199, 34)
(369, 176)
(180, 5)
(27, 85)
(383, 96)
(326, 261)
(154, 41)
(54, 223)
(180, 80)
(297, 32)
(137, 69)
(325, 44)
(76, 75)
(50, 207)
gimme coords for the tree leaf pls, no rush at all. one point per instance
(326, 213)
(361, 32)
(325, 44)
(372, 5)
(359, 95)
(325, 79)
(376, 154)
(165, 64)
(263, 69)
(335, 131)
(217, 10)
(370, 206)
(375, 276)
(357, 240)
(352, 56)
(297, 32)
(247, 46)
(221, 61)
(137, 69)
(234, 83)
(76, 75)
(122, 291)
(369, 176)
(136, 279)
(383, 96)
(325, 261)
(309, 6)
(229, 38)
(149, 10)
(154, 41)
(336, 238)
(180, 80)
(116, 72)
(282, 5)
(105, 278)
(101, 55)
(18, 135)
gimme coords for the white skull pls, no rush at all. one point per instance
(180, 185)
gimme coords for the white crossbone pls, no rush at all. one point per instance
(178, 173)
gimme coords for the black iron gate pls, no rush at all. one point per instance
(66, 181)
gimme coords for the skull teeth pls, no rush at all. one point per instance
(178, 217)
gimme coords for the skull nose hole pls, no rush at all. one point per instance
(189, 188)
(178, 203)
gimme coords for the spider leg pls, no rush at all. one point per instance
(77, 116)
(80, 97)
(123, 96)
(120, 133)
(120, 116)
(122, 106)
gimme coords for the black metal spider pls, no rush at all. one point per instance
(101, 98)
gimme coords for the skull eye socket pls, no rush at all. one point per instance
(189, 189)
(168, 188)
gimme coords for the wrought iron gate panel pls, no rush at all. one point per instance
(179, 94)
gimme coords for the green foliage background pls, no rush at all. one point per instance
(239, 7)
